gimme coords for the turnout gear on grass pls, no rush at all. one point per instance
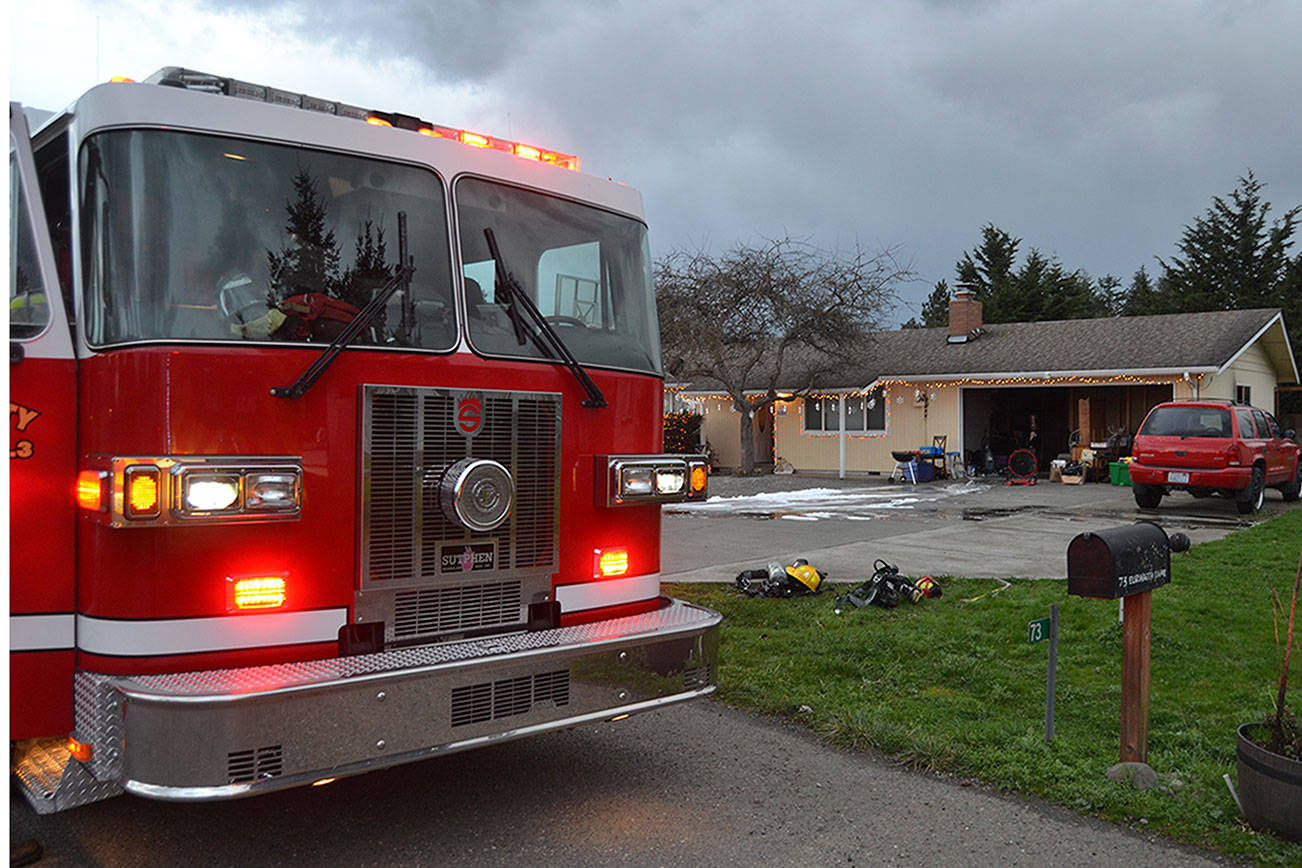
(885, 589)
(795, 580)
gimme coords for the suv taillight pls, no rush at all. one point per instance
(1232, 457)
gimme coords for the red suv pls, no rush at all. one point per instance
(1207, 447)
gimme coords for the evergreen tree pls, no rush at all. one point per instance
(1233, 257)
(935, 310)
(1143, 296)
(311, 261)
(988, 268)
(1111, 297)
(369, 271)
(1041, 289)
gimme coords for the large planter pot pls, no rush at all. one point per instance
(1270, 786)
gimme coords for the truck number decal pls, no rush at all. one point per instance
(22, 417)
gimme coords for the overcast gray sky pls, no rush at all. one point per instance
(1092, 130)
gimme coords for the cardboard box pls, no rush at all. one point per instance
(1072, 480)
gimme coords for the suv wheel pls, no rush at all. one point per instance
(1147, 496)
(1291, 490)
(1252, 497)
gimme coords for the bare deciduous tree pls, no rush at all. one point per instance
(771, 316)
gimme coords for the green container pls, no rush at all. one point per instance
(1120, 471)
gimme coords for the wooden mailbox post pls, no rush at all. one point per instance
(1128, 563)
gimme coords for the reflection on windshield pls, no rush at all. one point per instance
(588, 271)
(205, 238)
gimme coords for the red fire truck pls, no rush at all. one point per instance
(334, 444)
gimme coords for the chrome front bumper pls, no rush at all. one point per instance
(235, 732)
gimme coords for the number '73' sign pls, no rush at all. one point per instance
(1037, 630)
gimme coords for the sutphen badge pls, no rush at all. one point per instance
(470, 415)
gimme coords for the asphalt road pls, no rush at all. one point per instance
(980, 529)
(698, 784)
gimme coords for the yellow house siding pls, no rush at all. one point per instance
(910, 424)
(722, 426)
(1252, 369)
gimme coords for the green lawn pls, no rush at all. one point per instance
(955, 686)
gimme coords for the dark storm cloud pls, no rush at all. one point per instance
(1093, 130)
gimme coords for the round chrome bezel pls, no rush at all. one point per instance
(477, 494)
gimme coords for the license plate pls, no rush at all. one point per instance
(1174, 476)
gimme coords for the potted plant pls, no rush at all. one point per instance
(1270, 753)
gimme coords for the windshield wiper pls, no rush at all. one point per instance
(515, 295)
(400, 280)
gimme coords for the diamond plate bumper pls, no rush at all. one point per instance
(235, 732)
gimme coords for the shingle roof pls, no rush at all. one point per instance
(1141, 343)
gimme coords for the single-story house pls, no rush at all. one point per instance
(984, 391)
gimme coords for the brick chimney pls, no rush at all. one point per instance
(964, 315)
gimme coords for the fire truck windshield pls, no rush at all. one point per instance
(206, 238)
(587, 270)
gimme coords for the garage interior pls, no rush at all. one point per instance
(999, 421)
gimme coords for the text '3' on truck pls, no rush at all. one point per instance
(334, 444)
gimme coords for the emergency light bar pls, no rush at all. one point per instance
(189, 79)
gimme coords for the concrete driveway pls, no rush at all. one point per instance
(976, 529)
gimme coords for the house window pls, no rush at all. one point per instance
(1243, 394)
(866, 412)
(854, 412)
(822, 414)
(863, 413)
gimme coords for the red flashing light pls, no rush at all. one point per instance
(610, 562)
(256, 592)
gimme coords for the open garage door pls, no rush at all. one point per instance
(998, 421)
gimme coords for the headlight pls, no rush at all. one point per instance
(231, 492)
(269, 491)
(634, 481)
(629, 480)
(168, 490)
(209, 492)
(670, 481)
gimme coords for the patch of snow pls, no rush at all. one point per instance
(814, 504)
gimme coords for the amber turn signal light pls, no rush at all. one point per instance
(142, 491)
(90, 490)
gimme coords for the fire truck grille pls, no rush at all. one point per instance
(445, 610)
(247, 766)
(411, 436)
(491, 700)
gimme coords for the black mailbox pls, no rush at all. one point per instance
(1120, 561)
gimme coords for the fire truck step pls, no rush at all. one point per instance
(52, 780)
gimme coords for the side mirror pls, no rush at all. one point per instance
(1290, 434)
